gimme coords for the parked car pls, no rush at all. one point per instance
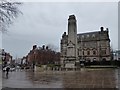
(27, 67)
(12, 69)
(18, 67)
(82, 64)
(4, 69)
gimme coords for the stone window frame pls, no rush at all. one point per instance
(78, 36)
(82, 36)
(93, 35)
(94, 52)
(88, 35)
(103, 52)
(83, 53)
(88, 52)
(65, 53)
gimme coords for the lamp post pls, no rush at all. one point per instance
(82, 59)
(34, 53)
(3, 61)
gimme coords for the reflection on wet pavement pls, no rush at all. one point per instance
(119, 78)
(100, 78)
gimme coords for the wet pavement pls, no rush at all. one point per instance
(119, 78)
(0, 79)
(86, 78)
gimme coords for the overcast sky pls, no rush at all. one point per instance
(44, 23)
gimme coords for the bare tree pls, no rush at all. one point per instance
(8, 12)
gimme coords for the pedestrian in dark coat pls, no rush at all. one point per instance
(7, 70)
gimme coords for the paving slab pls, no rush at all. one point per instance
(105, 78)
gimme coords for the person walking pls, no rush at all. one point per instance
(7, 71)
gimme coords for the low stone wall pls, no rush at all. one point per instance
(39, 69)
(56, 69)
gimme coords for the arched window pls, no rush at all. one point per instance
(82, 36)
(88, 35)
(103, 52)
(88, 52)
(83, 52)
(93, 35)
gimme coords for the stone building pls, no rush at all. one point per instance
(90, 46)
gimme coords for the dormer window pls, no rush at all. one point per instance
(82, 36)
(93, 35)
(88, 36)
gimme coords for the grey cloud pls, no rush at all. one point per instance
(44, 23)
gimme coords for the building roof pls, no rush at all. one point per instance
(97, 35)
(89, 36)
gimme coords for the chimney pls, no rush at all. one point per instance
(64, 33)
(46, 47)
(107, 29)
(34, 47)
(102, 29)
(43, 47)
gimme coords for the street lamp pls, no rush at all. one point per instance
(34, 60)
(4, 62)
(82, 59)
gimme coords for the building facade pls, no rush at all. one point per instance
(116, 55)
(90, 46)
(6, 58)
(42, 56)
